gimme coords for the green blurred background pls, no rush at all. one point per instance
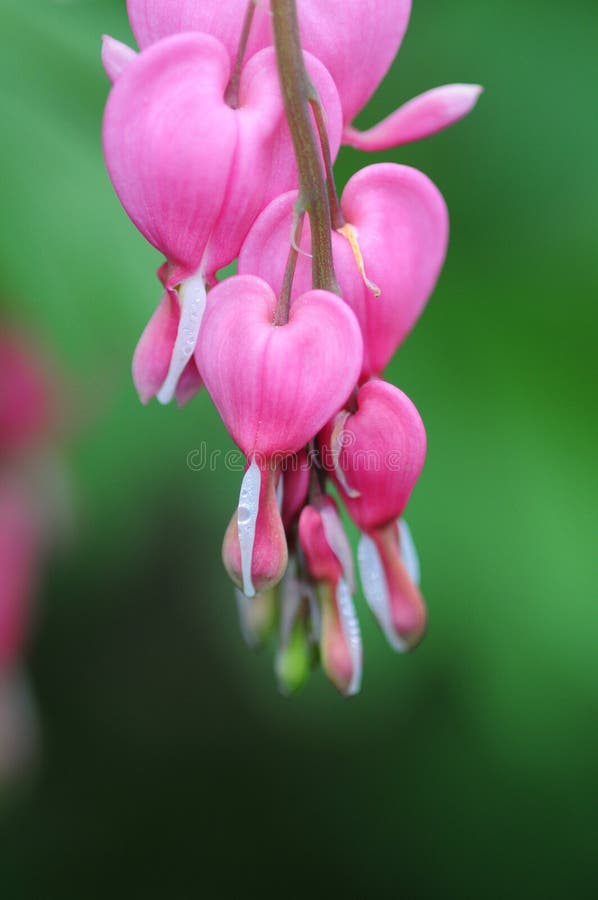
(171, 767)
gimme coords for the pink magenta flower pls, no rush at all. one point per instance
(274, 387)
(19, 552)
(328, 557)
(192, 172)
(387, 258)
(370, 33)
(379, 451)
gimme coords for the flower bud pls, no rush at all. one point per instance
(257, 617)
(254, 551)
(380, 452)
(328, 557)
(389, 587)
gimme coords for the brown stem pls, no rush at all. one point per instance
(336, 213)
(231, 95)
(296, 91)
(281, 314)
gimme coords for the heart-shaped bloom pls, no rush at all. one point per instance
(379, 451)
(328, 557)
(368, 35)
(275, 386)
(191, 171)
(387, 258)
(355, 39)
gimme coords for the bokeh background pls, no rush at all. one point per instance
(171, 768)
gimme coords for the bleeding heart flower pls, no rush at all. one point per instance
(275, 386)
(370, 35)
(328, 557)
(191, 171)
(254, 551)
(387, 258)
(379, 451)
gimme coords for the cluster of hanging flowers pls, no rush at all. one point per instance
(219, 138)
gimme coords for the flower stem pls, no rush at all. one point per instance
(297, 91)
(336, 213)
(231, 95)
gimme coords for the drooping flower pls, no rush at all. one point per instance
(367, 36)
(379, 451)
(328, 556)
(387, 256)
(274, 387)
(192, 172)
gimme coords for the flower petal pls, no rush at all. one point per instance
(421, 117)
(115, 56)
(169, 156)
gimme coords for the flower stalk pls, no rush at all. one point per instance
(297, 92)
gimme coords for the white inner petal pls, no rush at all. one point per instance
(192, 298)
(243, 607)
(350, 626)
(247, 512)
(375, 589)
(338, 543)
(408, 552)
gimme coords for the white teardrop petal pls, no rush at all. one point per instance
(243, 606)
(247, 512)
(375, 589)
(352, 633)
(338, 543)
(192, 297)
(408, 552)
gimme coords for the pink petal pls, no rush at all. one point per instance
(152, 20)
(188, 384)
(419, 118)
(275, 386)
(115, 56)
(151, 359)
(384, 457)
(356, 40)
(169, 157)
(264, 164)
(401, 224)
(254, 550)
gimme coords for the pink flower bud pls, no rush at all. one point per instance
(328, 557)
(389, 588)
(293, 486)
(380, 451)
(254, 551)
(387, 259)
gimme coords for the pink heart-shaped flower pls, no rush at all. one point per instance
(399, 223)
(191, 171)
(275, 386)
